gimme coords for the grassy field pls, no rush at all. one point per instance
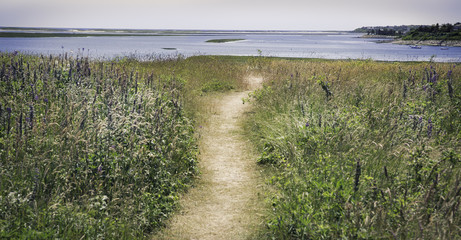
(360, 149)
(352, 149)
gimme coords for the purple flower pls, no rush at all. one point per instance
(307, 124)
(45, 100)
(420, 120)
(429, 128)
(36, 98)
(8, 109)
(434, 78)
(100, 169)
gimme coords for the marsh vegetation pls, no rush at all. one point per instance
(361, 149)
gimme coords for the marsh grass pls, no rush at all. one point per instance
(224, 40)
(97, 149)
(360, 149)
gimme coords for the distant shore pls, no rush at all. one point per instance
(396, 40)
(441, 43)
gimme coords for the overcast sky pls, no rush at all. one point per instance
(226, 14)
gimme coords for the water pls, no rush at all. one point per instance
(300, 45)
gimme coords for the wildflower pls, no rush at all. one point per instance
(36, 98)
(100, 169)
(429, 128)
(45, 100)
(307, 124)
(8, 109)
(434, 78)
(31, 117)
(420, 120)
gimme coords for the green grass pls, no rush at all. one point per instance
(360, 149)
(223, 40)
(355, 149)
(97, 150)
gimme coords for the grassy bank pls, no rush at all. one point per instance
(95, 150)
(360, 149)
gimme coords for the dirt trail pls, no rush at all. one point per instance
(227, 202)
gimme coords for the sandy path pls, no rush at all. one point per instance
(227, 203)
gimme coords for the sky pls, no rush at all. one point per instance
(227, 14)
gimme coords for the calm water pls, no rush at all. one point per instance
(330, 46)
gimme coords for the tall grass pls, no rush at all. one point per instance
(97, 149)
(361, 149)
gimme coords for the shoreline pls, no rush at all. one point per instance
(396, 40)
(435, 43)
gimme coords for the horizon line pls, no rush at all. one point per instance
(176, 29)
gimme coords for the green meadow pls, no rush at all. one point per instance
(351, 149)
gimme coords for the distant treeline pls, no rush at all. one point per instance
(435, 32)
(413, 32)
